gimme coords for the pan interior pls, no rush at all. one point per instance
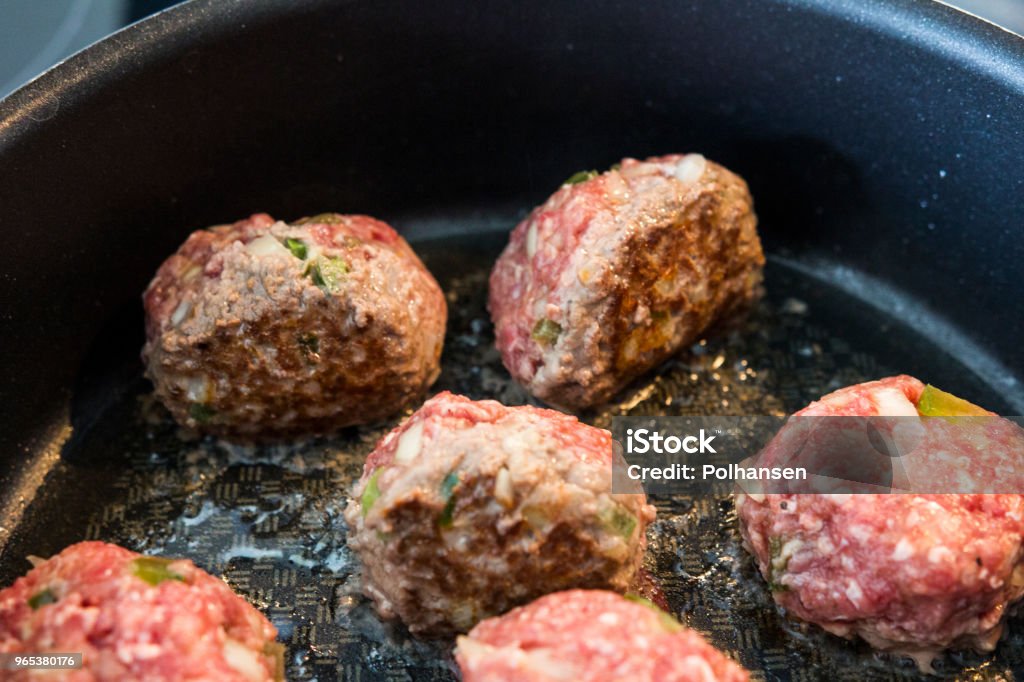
(269, 519)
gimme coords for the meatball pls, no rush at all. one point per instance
(616, 272)
(136, 618)
(910, 573)
(263, 329)
(590, 636)
(470, 508)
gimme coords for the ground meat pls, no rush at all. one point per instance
(906, 572)
(590, 636)
(614, 274)
(262, 329)
(470, 508)
(135, 619)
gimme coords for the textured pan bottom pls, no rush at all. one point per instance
(269, 519)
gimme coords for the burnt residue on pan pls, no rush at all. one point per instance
(269, 519)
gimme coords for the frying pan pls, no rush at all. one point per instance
(881, 140)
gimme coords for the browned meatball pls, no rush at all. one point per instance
(264, 329)
(616, 272)
(470, 508)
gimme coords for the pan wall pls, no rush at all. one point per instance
(882, 137)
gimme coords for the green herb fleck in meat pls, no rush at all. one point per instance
(615, 167)
(936, 403)
(275, 652)
(617, 520)
(447, 494)
(297, 247)
(581, 176)
(546, 331)
(42, 598)
(779, 562)
(536, 517)
(667, 621)
(776, 566)
(371, 492)
(321, 219)
(309, 343)
(154, 570)
(201, 412)
(328, 274)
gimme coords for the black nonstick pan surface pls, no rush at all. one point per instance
(881, 141)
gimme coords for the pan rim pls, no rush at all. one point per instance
(956, 35)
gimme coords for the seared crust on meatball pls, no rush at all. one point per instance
(262, 329)
(590, 636)
(906, 572)
(614, 274)
(470, 508)
(135, 619)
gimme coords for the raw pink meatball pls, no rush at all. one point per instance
(906, 572)
(590, 636)
(135, 619)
